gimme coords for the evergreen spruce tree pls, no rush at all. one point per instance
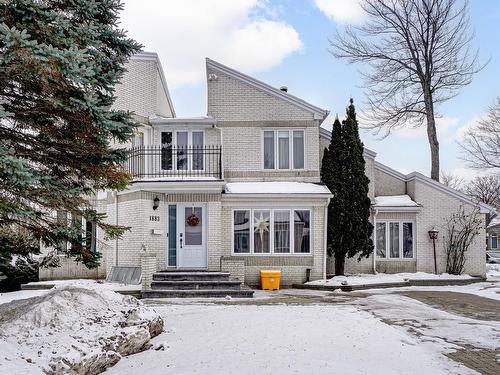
(332, 171)
(59, 63)
(343, 171)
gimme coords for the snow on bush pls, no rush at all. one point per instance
(75, 329)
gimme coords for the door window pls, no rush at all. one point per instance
(193, 226)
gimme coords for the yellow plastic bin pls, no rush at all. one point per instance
(270, 280)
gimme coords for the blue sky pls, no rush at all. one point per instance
(285, 42)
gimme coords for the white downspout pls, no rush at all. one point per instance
(325, 229)
(221, 150)
(375, 245)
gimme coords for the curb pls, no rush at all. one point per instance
(402, 284)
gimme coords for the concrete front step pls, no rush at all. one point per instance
(190, 276)
(196, 284)
(197, 293)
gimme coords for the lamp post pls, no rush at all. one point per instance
(433, 235)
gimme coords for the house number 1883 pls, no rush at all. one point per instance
(154, 218)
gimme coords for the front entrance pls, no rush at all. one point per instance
(191, 236)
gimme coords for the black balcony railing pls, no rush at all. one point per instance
(175, 162)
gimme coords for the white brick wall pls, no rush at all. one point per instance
(437, 208)
(232, 100)
(140, 90)
(387, 184)
(134, 210)
(69, 269)
(243, 156)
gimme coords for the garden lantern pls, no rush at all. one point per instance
(433, 235)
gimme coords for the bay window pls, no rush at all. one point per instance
(394, 239)
(261, 231)
(284, 149)
(302, 231)
(381, 240)
(279, 231)
(407, 240)
(241, 231)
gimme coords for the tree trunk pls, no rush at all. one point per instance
(339, 265)
(432, 134)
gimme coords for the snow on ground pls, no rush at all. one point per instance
(22, 294)
(111, 286)
(493, 272)
(73, 328)
(431, 324)
(487, 289)
(284, 339)
(380, 278)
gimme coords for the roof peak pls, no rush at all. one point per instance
(319, 113)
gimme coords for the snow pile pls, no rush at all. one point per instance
(383, 278)
(493, 272)
(74, 329)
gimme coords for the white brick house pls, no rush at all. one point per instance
(239, 190)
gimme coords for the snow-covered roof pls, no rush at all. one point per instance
(395, 202)
(494, 222)
(275, 188)
(416, 176)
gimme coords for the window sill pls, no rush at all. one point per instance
(271, 255)
(396, 259)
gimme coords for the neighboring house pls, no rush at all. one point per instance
(239, 190)
(493, 234)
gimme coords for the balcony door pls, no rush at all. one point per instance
(191, 236)
(182, 150)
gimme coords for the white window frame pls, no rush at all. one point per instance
(388, 239)
(491, 242)
(190, 144)
(271, 231)
(290, 149)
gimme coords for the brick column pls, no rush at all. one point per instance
(148, 268)
(236, 267)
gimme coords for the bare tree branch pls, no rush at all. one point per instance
(417, 55)
(481, 143)
(453, 181)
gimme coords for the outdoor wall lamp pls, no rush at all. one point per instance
(156, 203)
(433, 235)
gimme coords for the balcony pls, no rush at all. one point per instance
(175, 163)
